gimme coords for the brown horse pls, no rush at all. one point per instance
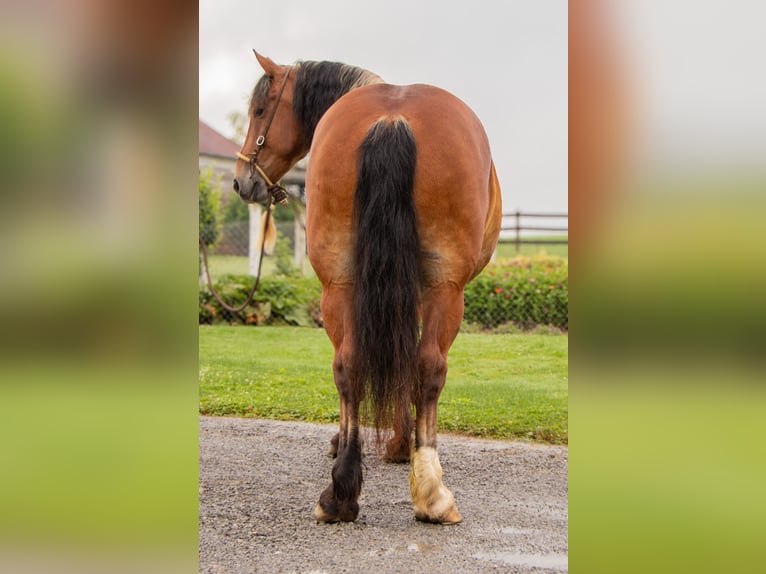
(403, 209)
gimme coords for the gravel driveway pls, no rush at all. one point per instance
(260, 480)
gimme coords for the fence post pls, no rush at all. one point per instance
(254, 238)
(300, 238)
(518, 230)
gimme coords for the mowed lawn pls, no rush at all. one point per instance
(238, 265)
(499, 386)
(221, 265)
(506, 249)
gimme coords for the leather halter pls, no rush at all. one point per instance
(275, 190)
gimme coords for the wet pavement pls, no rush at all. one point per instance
(260, 480)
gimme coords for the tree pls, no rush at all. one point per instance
(239, 124)
(234, 210)
(209, 205)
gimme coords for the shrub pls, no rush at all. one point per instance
(278, 301)
(284, 256)
(510, 296)
(525, 291)
(234, 210)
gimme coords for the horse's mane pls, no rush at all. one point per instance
(318, 85)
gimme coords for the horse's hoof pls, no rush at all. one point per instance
(396, 458)
(322, 517)
(397, 451)
(431, 500)
(449, 516)
(347, 515)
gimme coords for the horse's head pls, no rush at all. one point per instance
(274, 141)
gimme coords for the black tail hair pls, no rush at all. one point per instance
(386, 272)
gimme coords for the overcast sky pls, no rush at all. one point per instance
(506, 60)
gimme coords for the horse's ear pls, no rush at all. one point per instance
(267, 64)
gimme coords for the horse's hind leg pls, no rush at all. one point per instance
(338, 502)
(442, 314)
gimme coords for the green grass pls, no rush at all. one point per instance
(238, 265)
(507, 249)
(499, 386)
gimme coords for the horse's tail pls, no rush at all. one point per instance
(386, 272)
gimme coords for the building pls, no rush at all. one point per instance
(219, 153)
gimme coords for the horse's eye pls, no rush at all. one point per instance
(259, 112)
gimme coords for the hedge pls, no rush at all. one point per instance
(517, 294)
(278, 301)
(525, 291)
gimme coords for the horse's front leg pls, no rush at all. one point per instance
(442, 313)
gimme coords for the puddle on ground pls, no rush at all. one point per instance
(420, 547)
(411, 547)
(550, 561)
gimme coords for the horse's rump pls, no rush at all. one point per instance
(452, 188)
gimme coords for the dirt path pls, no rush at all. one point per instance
(259, 481)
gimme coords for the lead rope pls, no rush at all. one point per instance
(257, 277)
(277, 194)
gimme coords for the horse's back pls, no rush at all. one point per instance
(456, 195)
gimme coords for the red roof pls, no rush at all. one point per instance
(213, 143)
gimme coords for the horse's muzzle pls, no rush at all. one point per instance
(251, 189)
